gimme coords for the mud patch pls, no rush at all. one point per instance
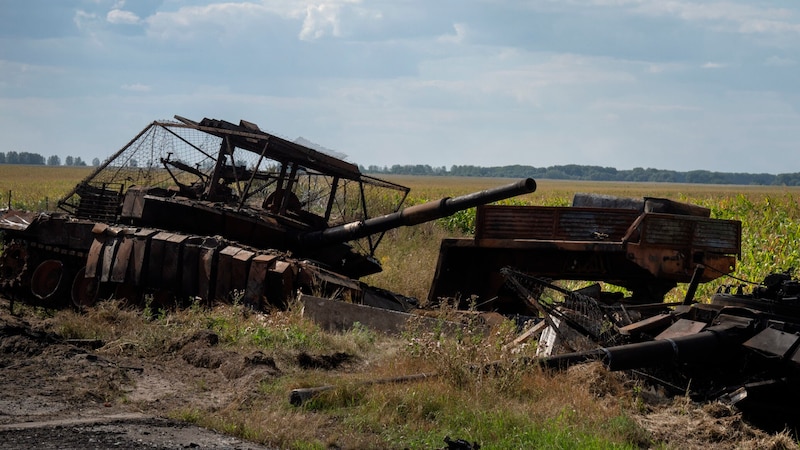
(324, 362)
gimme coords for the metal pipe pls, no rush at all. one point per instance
(706, 344)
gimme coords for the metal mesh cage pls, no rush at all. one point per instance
(173, 156)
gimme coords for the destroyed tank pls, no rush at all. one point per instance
(214, 210)
(646, 246)
(741, 348)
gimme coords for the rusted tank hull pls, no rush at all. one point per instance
(645, 252)
(78, 261)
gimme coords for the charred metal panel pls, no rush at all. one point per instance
(795, 359)
(94, 259)
(187, 216)
(155, 262)
(17, 220)
(133, 203)
(648, 325)
(172, 269)
(773, 342)
(682, 327)
(207, 270)
(240, 267)
(280, 284)
(552, 223)
(122, 266)
(54, 231)
(667, 206)
(141, 252)
(190, 266)
(679, 265)
(109, 253)
(722, 236)
(224, 271)
(698, 233)
(257, 279)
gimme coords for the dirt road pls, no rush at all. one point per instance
(60, 394)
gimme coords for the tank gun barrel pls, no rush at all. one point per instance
(415, 215)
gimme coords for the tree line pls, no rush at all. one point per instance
(13, 157)
(593, 173)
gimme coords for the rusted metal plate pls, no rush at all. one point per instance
(141, 247)
(689, 232)
(94, 259)
(171, 269)
(257, 279)
(224, 269)
(648, 325)
(120, 270)
(552, 223)
(133, 203)
(190, 266)
(109, 253)
(240, 267)
(155, 261)
(78, 234)
(17, 220)
(773, 342)
(683, 327)
(280, 284)
(208, 254)
(674, 264)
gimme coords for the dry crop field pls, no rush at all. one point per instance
(229, 369)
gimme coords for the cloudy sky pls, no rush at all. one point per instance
(677, 85)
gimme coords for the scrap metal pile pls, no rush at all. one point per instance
(213, 210)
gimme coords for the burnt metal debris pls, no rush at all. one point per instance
(740, 348)
(211, 210)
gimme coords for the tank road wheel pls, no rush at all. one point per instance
(14, 270)
(84, 290)
(50, 283)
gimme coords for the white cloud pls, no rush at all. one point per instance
(777, 61)
(136, 87)
(317, 18)
(664, 67)
(187, 23)
(84, 19)
(460, 33)
(713, 65)
(744, 18)
(320, 20)
(118, 16)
